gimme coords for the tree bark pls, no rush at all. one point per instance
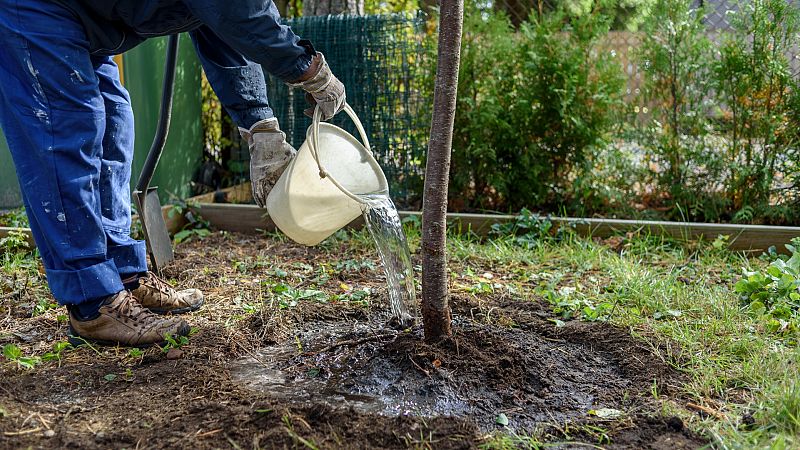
(325, 7)
(435, 309)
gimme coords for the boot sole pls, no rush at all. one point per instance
(75, 340)
(171, 312)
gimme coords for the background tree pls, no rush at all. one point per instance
(435, 295)
(324, 7)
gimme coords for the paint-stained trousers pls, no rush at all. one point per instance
(69, 125)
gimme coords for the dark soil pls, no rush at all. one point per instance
(324, 375)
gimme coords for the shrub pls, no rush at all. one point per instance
(675, 57)
(758, 115)
(483, 128)
(531, 106)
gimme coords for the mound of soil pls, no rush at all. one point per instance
(334, 376)
(534, 374)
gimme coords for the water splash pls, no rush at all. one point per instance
(384, 225)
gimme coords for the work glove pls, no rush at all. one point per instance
(270, 154)
(322, 88)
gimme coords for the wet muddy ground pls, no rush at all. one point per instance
(286, 356)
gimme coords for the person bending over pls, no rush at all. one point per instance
(69, 125)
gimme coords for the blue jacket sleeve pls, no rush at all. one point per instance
(238, 82)
(254, 29)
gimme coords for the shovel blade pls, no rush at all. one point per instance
(159, 245)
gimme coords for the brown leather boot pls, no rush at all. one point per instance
(123, 321)
(159, 297)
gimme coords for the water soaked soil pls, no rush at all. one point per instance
(481, 372)
(333, 376)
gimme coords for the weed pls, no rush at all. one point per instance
(43, 304)
(188, 234)
(174, 342)
(55, 354)
(15, 242)
(509, 440)
(774, 293)
(354, 296)
(196, 227)
(15, 218)
(14, 354)
(289, 296)
(355, 265)
(289, 427)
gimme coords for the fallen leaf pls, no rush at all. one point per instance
(606, 413)
(501, 420)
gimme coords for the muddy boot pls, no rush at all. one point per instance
(159, 297)
(121, 320)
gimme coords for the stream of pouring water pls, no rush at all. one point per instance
(384, 225)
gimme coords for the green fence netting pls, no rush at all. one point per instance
(380, 61)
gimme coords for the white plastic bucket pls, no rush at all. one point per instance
(318, 193)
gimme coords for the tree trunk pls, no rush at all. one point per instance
(435, 308)
(325, 7)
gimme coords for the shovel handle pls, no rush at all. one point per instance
(164, 116)
(314, 146)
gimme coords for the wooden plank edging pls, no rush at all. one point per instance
(246, 218)
(753, 238)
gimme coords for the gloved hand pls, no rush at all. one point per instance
(270, 154)
(322, 88)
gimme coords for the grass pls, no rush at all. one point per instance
(677, 298)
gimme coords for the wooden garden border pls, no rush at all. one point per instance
(174, 222)
(247, 218)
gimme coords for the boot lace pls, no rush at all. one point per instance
(165, 291)
(130, 309)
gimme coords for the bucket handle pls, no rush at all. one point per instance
(315, 140)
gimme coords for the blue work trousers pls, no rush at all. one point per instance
(69, 124)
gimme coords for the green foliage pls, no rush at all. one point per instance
(187, 235)
(15, 242)
(781, 413)
(215, 121)
(757, 93)
(13, 354)
(569, 306)
(622, 14)
(43, 304)
(391, 6)
(774, 293)
(14, 218)
(355, 265)
(528, 230)
(675, 57)
(196, 226)
(174, 342)
(289, 296)
(531, 106)
(58, 348)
